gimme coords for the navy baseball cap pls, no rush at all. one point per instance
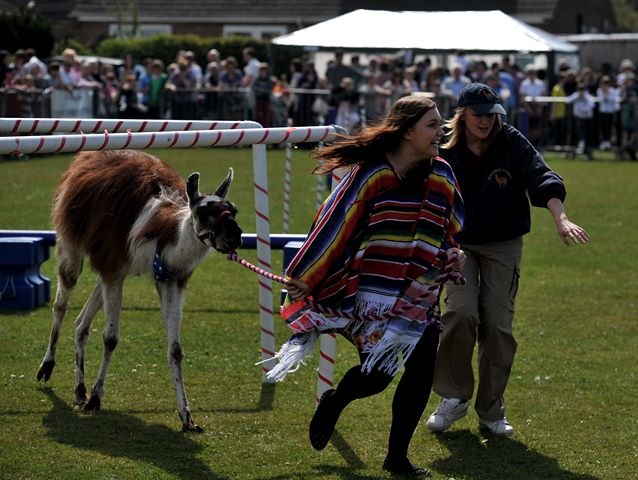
(481, 99)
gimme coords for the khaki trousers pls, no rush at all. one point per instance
(480, 311)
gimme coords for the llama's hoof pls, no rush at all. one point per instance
(93, 405)
(191, 426)
(45, 370)
(81, 398)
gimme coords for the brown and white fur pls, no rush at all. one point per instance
(119, 208)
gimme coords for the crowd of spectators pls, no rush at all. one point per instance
(579, 112)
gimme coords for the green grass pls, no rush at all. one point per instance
(572, 393)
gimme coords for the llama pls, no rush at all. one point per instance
(132, 214)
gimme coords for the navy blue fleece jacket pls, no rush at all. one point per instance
(498, 187)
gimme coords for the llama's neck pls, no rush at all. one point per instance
(170, 227)
(187, 251)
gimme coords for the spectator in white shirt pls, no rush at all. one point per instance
(251, 72)
(31, 61)
(583, 105)
(608, 108)
(532, 86)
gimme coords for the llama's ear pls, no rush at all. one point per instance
(192, 188)
(222, 190)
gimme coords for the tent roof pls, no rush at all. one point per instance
(471, 31)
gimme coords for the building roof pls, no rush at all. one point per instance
(558, 16)
(535, 12)
(285, 11)
(215, 11)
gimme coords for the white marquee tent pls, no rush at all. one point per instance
(433, 32)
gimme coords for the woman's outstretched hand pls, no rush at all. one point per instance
(567, 230)
(570, 232)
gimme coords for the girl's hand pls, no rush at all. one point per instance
(567, 231)
(297, 289)
(570, 232)
(458, 258)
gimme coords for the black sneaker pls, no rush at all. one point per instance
(324, 421)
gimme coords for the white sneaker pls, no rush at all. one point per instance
(498, 427)
(448, 412)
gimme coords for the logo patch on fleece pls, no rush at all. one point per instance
(501, 176)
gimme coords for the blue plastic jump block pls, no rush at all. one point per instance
(290, 250)
(22, 286)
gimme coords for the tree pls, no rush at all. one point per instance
(26, 28)
(626, 14)
(128, 22)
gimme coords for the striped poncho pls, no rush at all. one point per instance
(376, 243)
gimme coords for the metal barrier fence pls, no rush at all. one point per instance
(304, 107)
(551, 123)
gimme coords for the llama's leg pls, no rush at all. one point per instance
(172, 301)
(112, 299)
(82, 329)
(69, 267)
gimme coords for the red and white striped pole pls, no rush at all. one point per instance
(287, 183)
(327, 341)
(97, 125)
(172, 139)
(262, 219)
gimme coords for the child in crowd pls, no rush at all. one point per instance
(583, 105)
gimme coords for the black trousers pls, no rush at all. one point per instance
(411, 395)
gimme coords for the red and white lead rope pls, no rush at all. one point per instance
(245, 263)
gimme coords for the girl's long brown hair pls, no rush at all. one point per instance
(375, 141)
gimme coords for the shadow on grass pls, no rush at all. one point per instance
(331, 471)
(266, 397)
(265, 403)
(348, 472)
(224, 310)
(494, 456)
(117, 435)
(346, 451)
(74, 311)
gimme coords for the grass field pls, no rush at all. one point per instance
(572, 395)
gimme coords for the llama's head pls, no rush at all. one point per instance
(213, 216)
